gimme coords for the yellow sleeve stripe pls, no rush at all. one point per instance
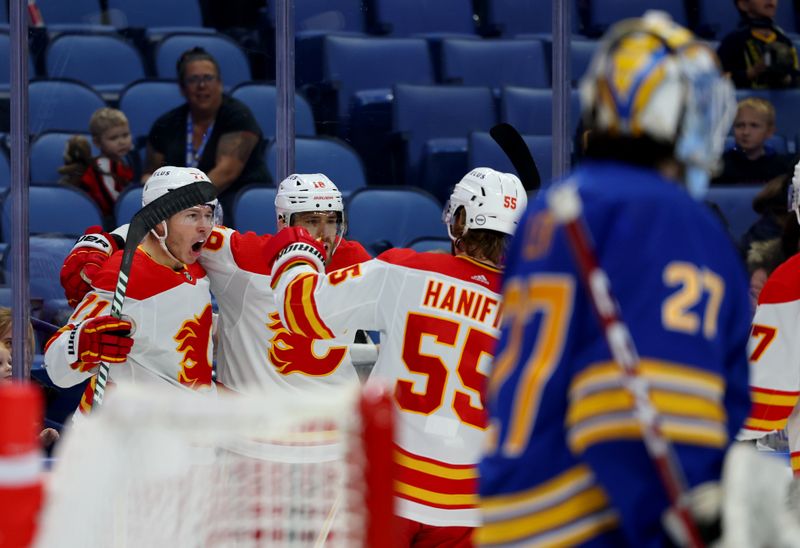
(469, 499)
(435, 469)
(603, 373)
(764, 424)
(588, 434)
(665, 402)
(574, 508)
(776, 400)
(541, 495)
(795, 460)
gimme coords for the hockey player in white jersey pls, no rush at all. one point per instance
(775, 351)
(438, 317)
(165, 333)
(255, 351)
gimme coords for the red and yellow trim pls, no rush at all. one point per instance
(435, 483)
(771, 409)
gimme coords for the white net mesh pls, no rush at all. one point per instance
(157, 468)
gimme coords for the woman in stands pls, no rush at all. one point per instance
(211, 131)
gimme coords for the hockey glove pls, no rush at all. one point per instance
(103, 338)
(85, 260)
(293, 246)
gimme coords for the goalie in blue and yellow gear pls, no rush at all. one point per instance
(566, 464)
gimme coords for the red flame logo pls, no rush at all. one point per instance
(193, 339)
(291, 353)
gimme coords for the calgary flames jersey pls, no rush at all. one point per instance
(171, 312)
(437, 315)
(775, 359)
(255, 351)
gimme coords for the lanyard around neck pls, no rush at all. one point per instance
(193, 156)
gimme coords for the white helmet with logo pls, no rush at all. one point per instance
(169, 178)
(310, 192)
(492, 201)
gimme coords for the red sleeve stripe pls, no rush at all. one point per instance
(435, 483)
(300, 309)
(276, 276)
(795, 460)
(759, 390)
(770, 412)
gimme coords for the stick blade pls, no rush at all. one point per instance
(515, 147)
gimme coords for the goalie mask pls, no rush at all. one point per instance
(492, 201)
(649, 77)
(311, 199)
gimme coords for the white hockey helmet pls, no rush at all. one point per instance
(310, 192)
(650, 77)
(169, 178)
(794, 192)
(492, 201)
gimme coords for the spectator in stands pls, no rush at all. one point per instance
(48, 436)
(764, 256)
(211, 131)
(102, 177)
(758, 54)
(771, 205)
(751, 160)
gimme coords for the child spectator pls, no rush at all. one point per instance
(751, 160)
(48, 436)
(758, 54)
(104, 176)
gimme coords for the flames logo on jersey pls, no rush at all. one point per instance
(291, 353)
(193, 339)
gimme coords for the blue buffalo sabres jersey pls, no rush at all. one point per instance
(565, 464)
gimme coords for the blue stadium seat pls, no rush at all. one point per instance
(156, 15)
(603, 13)
(581, 52)
(47, 155)
(5, 62)
(432, 124)
(430, 243)
(144, 101)
(495, 63)
(412, 17)
(72, 16)
(325, 155)
(716, 18)
(736, 204)
(254, 209)
(531, 110)
(262, 101)
(233, 63)
(785, 16)
(107, 63)
(361, 71)
(509, 18)
(382, 217)
(484, 152)
(326, 16)
(128, 203)
(55, 210)
(61, 105)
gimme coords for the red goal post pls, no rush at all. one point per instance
(160, 467)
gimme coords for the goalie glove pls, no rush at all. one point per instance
(88, 255)
(290, 247)
(101, 339)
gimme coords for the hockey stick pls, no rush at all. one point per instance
(518, 152)
(143, 222)
(565, 204)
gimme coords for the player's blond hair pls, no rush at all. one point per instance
(762, 106)
(104, 119)
(5, 324)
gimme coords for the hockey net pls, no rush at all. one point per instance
(155, 468)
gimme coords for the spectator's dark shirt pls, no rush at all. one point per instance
(739, 170)
(742, 49)
(168, 137)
